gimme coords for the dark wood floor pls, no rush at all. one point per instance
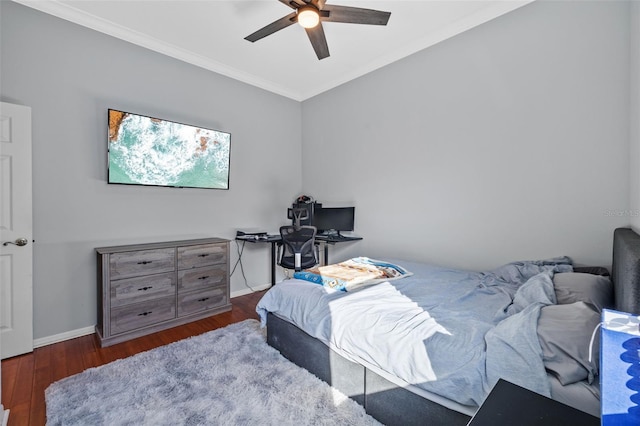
(25, 377)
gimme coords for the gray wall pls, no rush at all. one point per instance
(69, 76)
(635, 116)
(509, 141)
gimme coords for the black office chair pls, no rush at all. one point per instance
(298, 250)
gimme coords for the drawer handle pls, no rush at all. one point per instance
(145, 288)
(144, 314)
(203, 278)
(203, 255)
(203, 299)
(144, 262)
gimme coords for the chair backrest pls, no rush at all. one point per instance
(298, 249)
(297, 214)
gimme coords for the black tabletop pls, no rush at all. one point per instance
(509, 404)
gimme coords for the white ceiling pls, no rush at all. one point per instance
(210, 34)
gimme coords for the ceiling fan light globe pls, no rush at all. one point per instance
(308, 17)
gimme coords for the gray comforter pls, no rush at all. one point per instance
(450, 332)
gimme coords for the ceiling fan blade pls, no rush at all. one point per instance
(318, 41)
(293, 4)
(281, 23)
(355, 15)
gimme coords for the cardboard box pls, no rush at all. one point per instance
(620, 369)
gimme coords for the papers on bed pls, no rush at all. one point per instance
(353, 273)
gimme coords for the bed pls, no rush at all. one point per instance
(411, 357)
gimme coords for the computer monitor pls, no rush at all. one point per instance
(334, 219)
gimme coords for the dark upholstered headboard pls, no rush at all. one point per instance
(625, 272)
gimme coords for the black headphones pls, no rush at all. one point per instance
(304, 199)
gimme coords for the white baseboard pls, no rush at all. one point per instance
(5, 416)
(245, 291)
(67, 335)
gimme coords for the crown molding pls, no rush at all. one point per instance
(80, 17)
(451, 30)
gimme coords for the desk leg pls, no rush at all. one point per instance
(273, 263)
(326, 253)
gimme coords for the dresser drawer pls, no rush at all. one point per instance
(201, 278)
(202, 300)
(142, 262)
(140, 289)
(201, 255)
(138, 315)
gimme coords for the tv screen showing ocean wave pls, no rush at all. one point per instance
(151, 151)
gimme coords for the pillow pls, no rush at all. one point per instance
(573, 287)
(564, 332)
(595, 270)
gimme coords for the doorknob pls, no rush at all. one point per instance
(18, 242)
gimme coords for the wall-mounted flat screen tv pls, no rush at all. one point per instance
(151, 151)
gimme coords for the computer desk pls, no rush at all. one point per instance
(276, 240)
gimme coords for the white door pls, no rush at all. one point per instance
(16, 253)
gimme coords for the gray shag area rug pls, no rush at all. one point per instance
(229, 376)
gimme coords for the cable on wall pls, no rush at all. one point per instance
(240, 250)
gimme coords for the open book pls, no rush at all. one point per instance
(353, 273)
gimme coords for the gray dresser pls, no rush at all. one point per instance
(144, 288)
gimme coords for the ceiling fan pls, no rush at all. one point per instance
(311, 13)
